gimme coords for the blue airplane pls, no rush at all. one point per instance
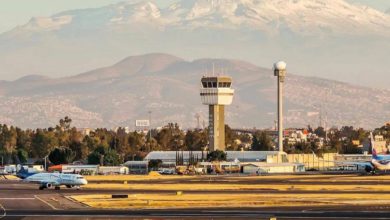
(377, 163)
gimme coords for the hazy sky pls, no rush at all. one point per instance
(18, 12)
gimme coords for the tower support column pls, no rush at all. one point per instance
(280, 73)
(280, 115)
(217, 127)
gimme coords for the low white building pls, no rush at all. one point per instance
(72, 168)
(263, 168)
(242, 156)
(219, 167)
(105, 170)
(137, 167)
(12, 168)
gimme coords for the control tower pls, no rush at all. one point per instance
(216, 92)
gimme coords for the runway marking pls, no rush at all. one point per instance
(42, 200)
(5, 212)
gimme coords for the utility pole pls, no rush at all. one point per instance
(150, 130)
(46, 162)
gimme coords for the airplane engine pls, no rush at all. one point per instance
(368, 169)
(48, 185)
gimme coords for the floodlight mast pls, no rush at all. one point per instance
(280, 72)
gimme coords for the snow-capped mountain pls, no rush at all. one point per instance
(298, 16)
(346, 40)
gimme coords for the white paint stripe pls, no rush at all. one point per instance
(162, 216)
(51, 206)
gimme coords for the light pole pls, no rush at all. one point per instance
(150, 124)
(46, 162)
(150, 130)
(280, 72)
(243, 154)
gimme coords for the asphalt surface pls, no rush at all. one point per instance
(24, 201)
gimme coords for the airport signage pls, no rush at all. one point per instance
(142, 123)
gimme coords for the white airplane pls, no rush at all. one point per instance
(48, 180)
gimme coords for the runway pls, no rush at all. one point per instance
(20, 200)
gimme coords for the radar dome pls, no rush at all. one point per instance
(281, 65)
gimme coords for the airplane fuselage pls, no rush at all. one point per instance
(47, 180)
(381, 164)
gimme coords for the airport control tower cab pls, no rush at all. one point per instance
(216, 92)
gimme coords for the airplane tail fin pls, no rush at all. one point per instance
(374, 153)
(22, 173)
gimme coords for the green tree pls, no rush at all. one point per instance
(95, 158)
(8, 137)
(61, 155)
(261, 141)
(320, 132)
(42, 143)
(217, 155)
(104, 156)
(154, 164)
(230, 138)
(23, 139)
(112, 158)
(22, 156)
(171, 137)
(121, 142)
(349, 148)
(136, 141)
(76, 144)
(65, 123)
(195, 140)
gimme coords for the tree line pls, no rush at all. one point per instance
(65, 144)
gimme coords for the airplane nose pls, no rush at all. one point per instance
(85, 182)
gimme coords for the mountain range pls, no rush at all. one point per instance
(322, 38)
(168, 86)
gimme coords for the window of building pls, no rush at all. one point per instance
(204, 84)
(214, 84)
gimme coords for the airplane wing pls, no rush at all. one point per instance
(42, 182)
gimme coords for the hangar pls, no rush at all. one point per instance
(242, 156)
